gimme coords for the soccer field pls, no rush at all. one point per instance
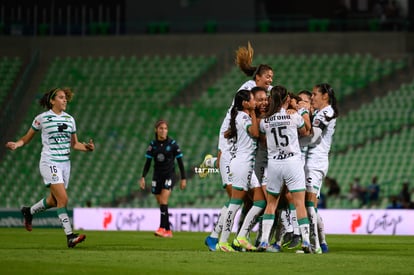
(44, 251)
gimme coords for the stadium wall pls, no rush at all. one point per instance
(352, 221)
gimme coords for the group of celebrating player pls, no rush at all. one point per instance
(273, 157)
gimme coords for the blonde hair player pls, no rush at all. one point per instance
(262, 76)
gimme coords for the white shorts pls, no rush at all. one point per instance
(261, 171)
(289, 172)
(314, 180)
(55, 172)
(241, 171)
(225, 159)
(315, 172)
(254, 182)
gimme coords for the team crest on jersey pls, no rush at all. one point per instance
(160, 157)
(317, 122)
(55, 177)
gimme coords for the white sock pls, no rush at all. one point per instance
(280, 231)
(285, 218)
(267, 223)
(39, 206)
(313, 219)
(219, 225)
(321, 229)
(242, 216)
(294, 219)
(64, 220)
(211, 162)
(276, 227)
(249, 220)
(304, 229)
(228, 221)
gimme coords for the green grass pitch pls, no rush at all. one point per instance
(44, 251)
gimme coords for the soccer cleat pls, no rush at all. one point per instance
(262, 247)
(324, 248)
(273, 248)
(306, 247)
(317, 250)
(211, 243)
(236, 246)
(225, 247)
(160, 232)
(243, 242)
(203, 167)
(295, 243)
(28, 217)
(74, 239)
(168, 234)
(287, 239)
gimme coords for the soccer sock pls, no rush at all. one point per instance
(313, 223)
(285, 219)
(164, 217)
(267, 223)
(279, 231)
(39, 206)
(242, 216)
(64, 220)
(304, 229)
(294, 219)
(274, 231)
(321, 228)
(211, 162)
(234, 206)
(259, 230)
(251, 216)
(219, 225)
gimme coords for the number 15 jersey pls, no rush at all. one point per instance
(281, 131)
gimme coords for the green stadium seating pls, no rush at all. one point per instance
(9, 70)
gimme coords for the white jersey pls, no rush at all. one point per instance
(245, 145)
(57, 131)
(225, 144)
(319, 152)
(281, 131)
(241, 165)
(248, 85)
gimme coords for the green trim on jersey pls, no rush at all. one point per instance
(60, 160)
